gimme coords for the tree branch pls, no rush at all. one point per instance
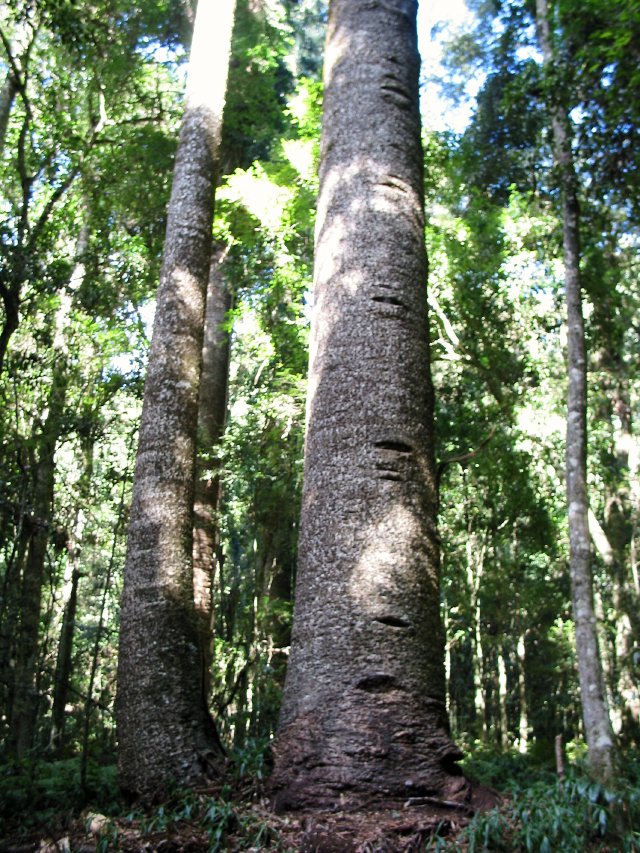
(464, 457)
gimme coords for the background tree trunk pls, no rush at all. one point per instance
(64, 660)
(211, 416)
(523, 721)
(23, 712)
(24, 699)
(165, 733)
(597, 725)
(364, 713)
(8, 94)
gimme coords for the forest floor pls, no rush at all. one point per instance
(234, 825)
(43, 809)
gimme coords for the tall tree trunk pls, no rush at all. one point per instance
(598, 731)
(165, 733)
(24, 696)
(64, 660)
(363, 714)
(211, 416)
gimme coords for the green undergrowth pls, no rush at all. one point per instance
(539, 814)
(232, 819)
(544, 814)
(47, 799)
(212, 823)
(42, 794)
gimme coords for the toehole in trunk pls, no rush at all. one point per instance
(393, 621)
(377, 683)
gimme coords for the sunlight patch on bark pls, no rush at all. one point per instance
(208, 67)
(376, 572)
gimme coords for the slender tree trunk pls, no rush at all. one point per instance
(93, 670)
(165, 733)
(11, 284)
(502, 701)
(475, 569)
(447, 657)
(523, 721)
(278, 631)
(10, 605)
(8, 94)
(363, 714)
(10, 294)
(211, 416)
(23, 39)
(598, 731)
(24, 697)
(11, 594)
(619, 513)
(64, 660)
(613, 538)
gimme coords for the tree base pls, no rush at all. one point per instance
(358, 759)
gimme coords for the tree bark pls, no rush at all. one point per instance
(211, 417)
(363, 714)
(597, 725)
(23, 712)
(165, 733)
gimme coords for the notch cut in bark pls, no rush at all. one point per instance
(396, 446)
(393, 621)
(379, 682)
(366, 550)
(398, 94)
(389, 300)
(166, 735)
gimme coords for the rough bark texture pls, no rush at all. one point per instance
(363, 715)
(211, 416)
(165, 733)
(597, 725)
